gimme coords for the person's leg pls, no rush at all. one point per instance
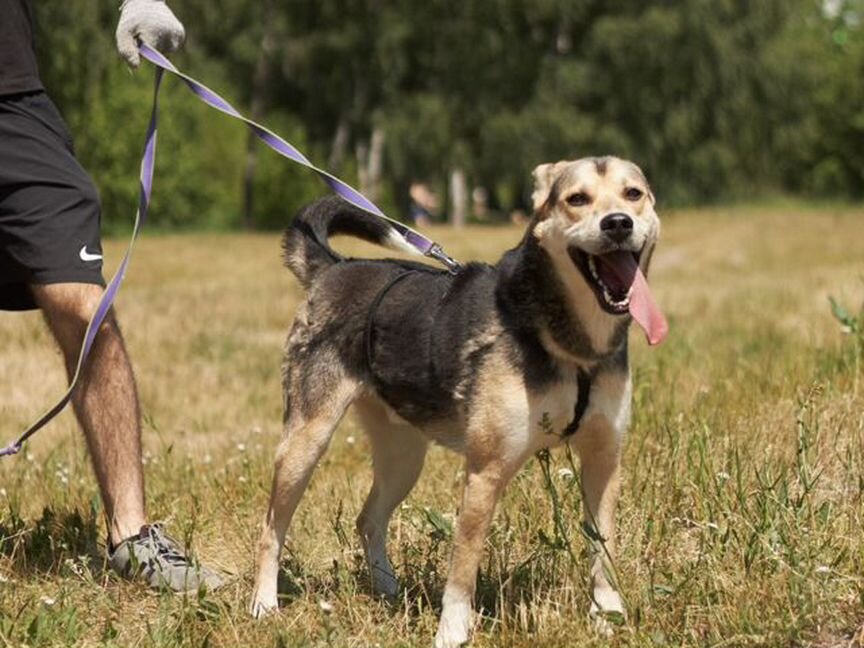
(105, 402)
(51, 258)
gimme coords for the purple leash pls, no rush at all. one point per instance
(422, 244)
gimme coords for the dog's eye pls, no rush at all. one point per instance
(578, 199)
(633, 193)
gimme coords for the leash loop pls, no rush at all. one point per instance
(418, 241)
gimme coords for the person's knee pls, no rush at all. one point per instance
(70, 302)
(68, 309)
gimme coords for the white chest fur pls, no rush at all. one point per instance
(552, 410)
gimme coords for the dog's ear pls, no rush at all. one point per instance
(544, 177)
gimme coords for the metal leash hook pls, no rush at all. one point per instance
(422, 244)
(437, 252)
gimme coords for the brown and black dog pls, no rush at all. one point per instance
(494, 362)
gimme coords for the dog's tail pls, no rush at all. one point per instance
(305, 245)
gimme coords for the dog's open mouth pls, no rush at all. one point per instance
(621, 287)
(610, 275)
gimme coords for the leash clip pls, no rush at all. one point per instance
(437, 252)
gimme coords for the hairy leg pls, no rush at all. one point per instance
(105, 402)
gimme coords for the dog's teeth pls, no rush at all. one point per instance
(592, 266)
(613, 302)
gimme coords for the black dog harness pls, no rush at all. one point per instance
(583, 378)
(583, 387)
(370, 317)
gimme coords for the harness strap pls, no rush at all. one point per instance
(583, 387)
(373, 308)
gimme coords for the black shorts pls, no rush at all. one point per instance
(49, 209)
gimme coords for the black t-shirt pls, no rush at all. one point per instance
(18, 70)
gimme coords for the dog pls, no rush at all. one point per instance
(494, 362)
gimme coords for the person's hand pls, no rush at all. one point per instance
(148, 21)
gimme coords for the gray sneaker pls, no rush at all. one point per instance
(160, 561)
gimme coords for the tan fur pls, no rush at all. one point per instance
(503, 425)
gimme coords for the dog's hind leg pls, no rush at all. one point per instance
(398, 451)
(317, 395)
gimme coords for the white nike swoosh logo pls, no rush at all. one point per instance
(86, 256)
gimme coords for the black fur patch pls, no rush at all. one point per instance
(421, 344)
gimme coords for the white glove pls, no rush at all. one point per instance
(151, 22)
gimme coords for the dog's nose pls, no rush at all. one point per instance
(617, 226)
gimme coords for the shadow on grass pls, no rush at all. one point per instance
(420, 589)
(44, 546)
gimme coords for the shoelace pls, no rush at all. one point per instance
(166, 548)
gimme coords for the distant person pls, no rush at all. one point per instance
(51, 259)
(519, 217)
(480, 204)
(423, 204)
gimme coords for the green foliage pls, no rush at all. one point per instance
(851, 324)
(717, 101)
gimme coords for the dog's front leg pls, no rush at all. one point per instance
(599, 450)
(483, 486)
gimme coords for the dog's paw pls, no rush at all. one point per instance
(385, 584)
(454, 629)
(263, 604)
(607, 611)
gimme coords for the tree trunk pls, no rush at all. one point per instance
(370, 162)
(259, 100)
(376, 164)
(361, 151)
(339, 146)
(458, 197)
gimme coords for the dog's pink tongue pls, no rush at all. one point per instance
(643, 308)
(645, 311)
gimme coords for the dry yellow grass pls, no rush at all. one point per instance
(743, 493)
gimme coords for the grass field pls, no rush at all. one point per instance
(742, 512)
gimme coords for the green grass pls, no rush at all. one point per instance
(742, 514)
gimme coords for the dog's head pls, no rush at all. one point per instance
(602, 211)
